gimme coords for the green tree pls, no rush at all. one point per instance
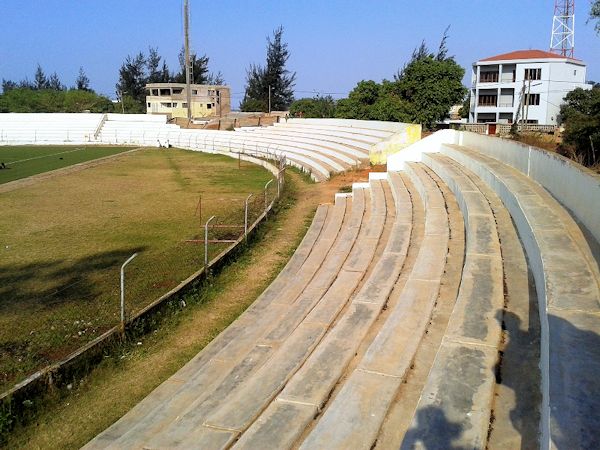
(430, 85)
(132, 80)
(273, 77)
(200, 71)
(580, 115)
(317, 107)
(26, 100)
(423, 91)
(595, 14)
(54, 83)
(82, 83)
(155, 71)
(360, 101)
(7, 85)
(40, 80)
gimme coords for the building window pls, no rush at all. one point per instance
(184, 105)
(487, 100)
(155, 92)
(208, 106)
(166, 105)
(177, 90)
(532, 99)
(575, 72)
(174, 105)
(149, 105)
(165, 92)
(194, 91)
(488, 77)
(533, 74)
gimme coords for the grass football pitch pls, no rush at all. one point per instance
(25, 160)
(63, 240)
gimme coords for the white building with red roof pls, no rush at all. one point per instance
(527, 85)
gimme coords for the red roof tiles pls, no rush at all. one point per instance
(525, 54)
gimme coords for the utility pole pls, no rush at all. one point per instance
(521, 105)
(188, 69)
(269, 99)
(527, 101)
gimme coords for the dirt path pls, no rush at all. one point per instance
(124, 379)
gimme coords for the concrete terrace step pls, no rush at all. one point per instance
(242, 406)
(367, 393)
(382, 134)
(356, 146)
(566, 278)
(517, 396)
(346, 147)
(292, 280)
(461, 382)
(280, 135)
(286, 417)
(248, 354)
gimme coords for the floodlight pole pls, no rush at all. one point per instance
(206, 243)
(123, 291)
(246, 217)
(188, 69)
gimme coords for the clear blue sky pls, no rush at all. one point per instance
(333, 44)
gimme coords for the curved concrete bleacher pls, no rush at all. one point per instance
(287, 330)
(325, 357)
(319, 148)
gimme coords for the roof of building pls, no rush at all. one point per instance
(527, 54)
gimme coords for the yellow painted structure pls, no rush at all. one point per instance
(409, 134)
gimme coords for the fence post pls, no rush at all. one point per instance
(206, 244)
(123, 291)
(246, 217)
(266, 199)
(280, 181)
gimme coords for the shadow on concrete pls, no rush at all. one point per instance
(58, 282)
(520, 372)
(433, 432)
(576, 424)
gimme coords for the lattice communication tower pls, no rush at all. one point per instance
(562, 41)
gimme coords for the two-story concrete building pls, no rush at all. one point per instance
(534, 81)
(171, 99)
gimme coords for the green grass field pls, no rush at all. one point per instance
(25, 160)
(62, 241)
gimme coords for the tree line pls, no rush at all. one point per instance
(420, 92)
(47, 93)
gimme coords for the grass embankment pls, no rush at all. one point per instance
(62, 242)
(126, 377)
(26, 160)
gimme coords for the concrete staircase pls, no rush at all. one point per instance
(451, 304)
